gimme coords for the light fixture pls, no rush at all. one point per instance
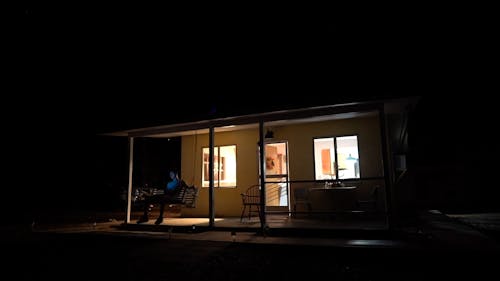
(269, 134)
(351, 158)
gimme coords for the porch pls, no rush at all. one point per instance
(337, 155)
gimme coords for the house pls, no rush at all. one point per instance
(342, 155)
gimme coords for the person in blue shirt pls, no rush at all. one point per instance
(170, 192)
(174, 183)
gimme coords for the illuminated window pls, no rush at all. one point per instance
(336, 158)
(224, 166)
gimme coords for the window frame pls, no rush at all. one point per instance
(217, 166)
(335, 148)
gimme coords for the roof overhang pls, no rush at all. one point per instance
(318, 113)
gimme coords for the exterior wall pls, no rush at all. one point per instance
(301, 157)
(228, 200)
(300, 144)
(301, 151)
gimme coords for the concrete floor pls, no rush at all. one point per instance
(278, 221)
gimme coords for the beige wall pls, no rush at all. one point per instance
(301, 157)
(228, 200)
(300, 144)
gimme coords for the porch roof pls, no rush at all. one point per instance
(316, 113)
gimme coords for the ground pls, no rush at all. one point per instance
(88, 257)
(448, 250)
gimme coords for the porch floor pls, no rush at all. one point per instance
(276, 221)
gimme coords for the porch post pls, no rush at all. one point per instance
(262, 164)
(130, 170)
(211, 205)
(385, 160)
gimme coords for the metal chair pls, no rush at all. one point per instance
(251, 199)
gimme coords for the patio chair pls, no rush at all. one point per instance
(251, 199)
(369, 204)
(301, 197)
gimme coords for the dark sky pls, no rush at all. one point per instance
(75, 71)
(97, 69)
(114, 66)
(134, 62)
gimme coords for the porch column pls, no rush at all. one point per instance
(262, 164)
(130, 171)
(385, 160)
(211, 203)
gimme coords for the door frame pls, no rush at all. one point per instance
(287, 177)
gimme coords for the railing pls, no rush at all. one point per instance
(366, 195)
(274, 193)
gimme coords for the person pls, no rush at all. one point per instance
(170, 192)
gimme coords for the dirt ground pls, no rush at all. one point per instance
(87, 256)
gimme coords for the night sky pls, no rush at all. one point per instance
(120, 66)
(95, 69)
